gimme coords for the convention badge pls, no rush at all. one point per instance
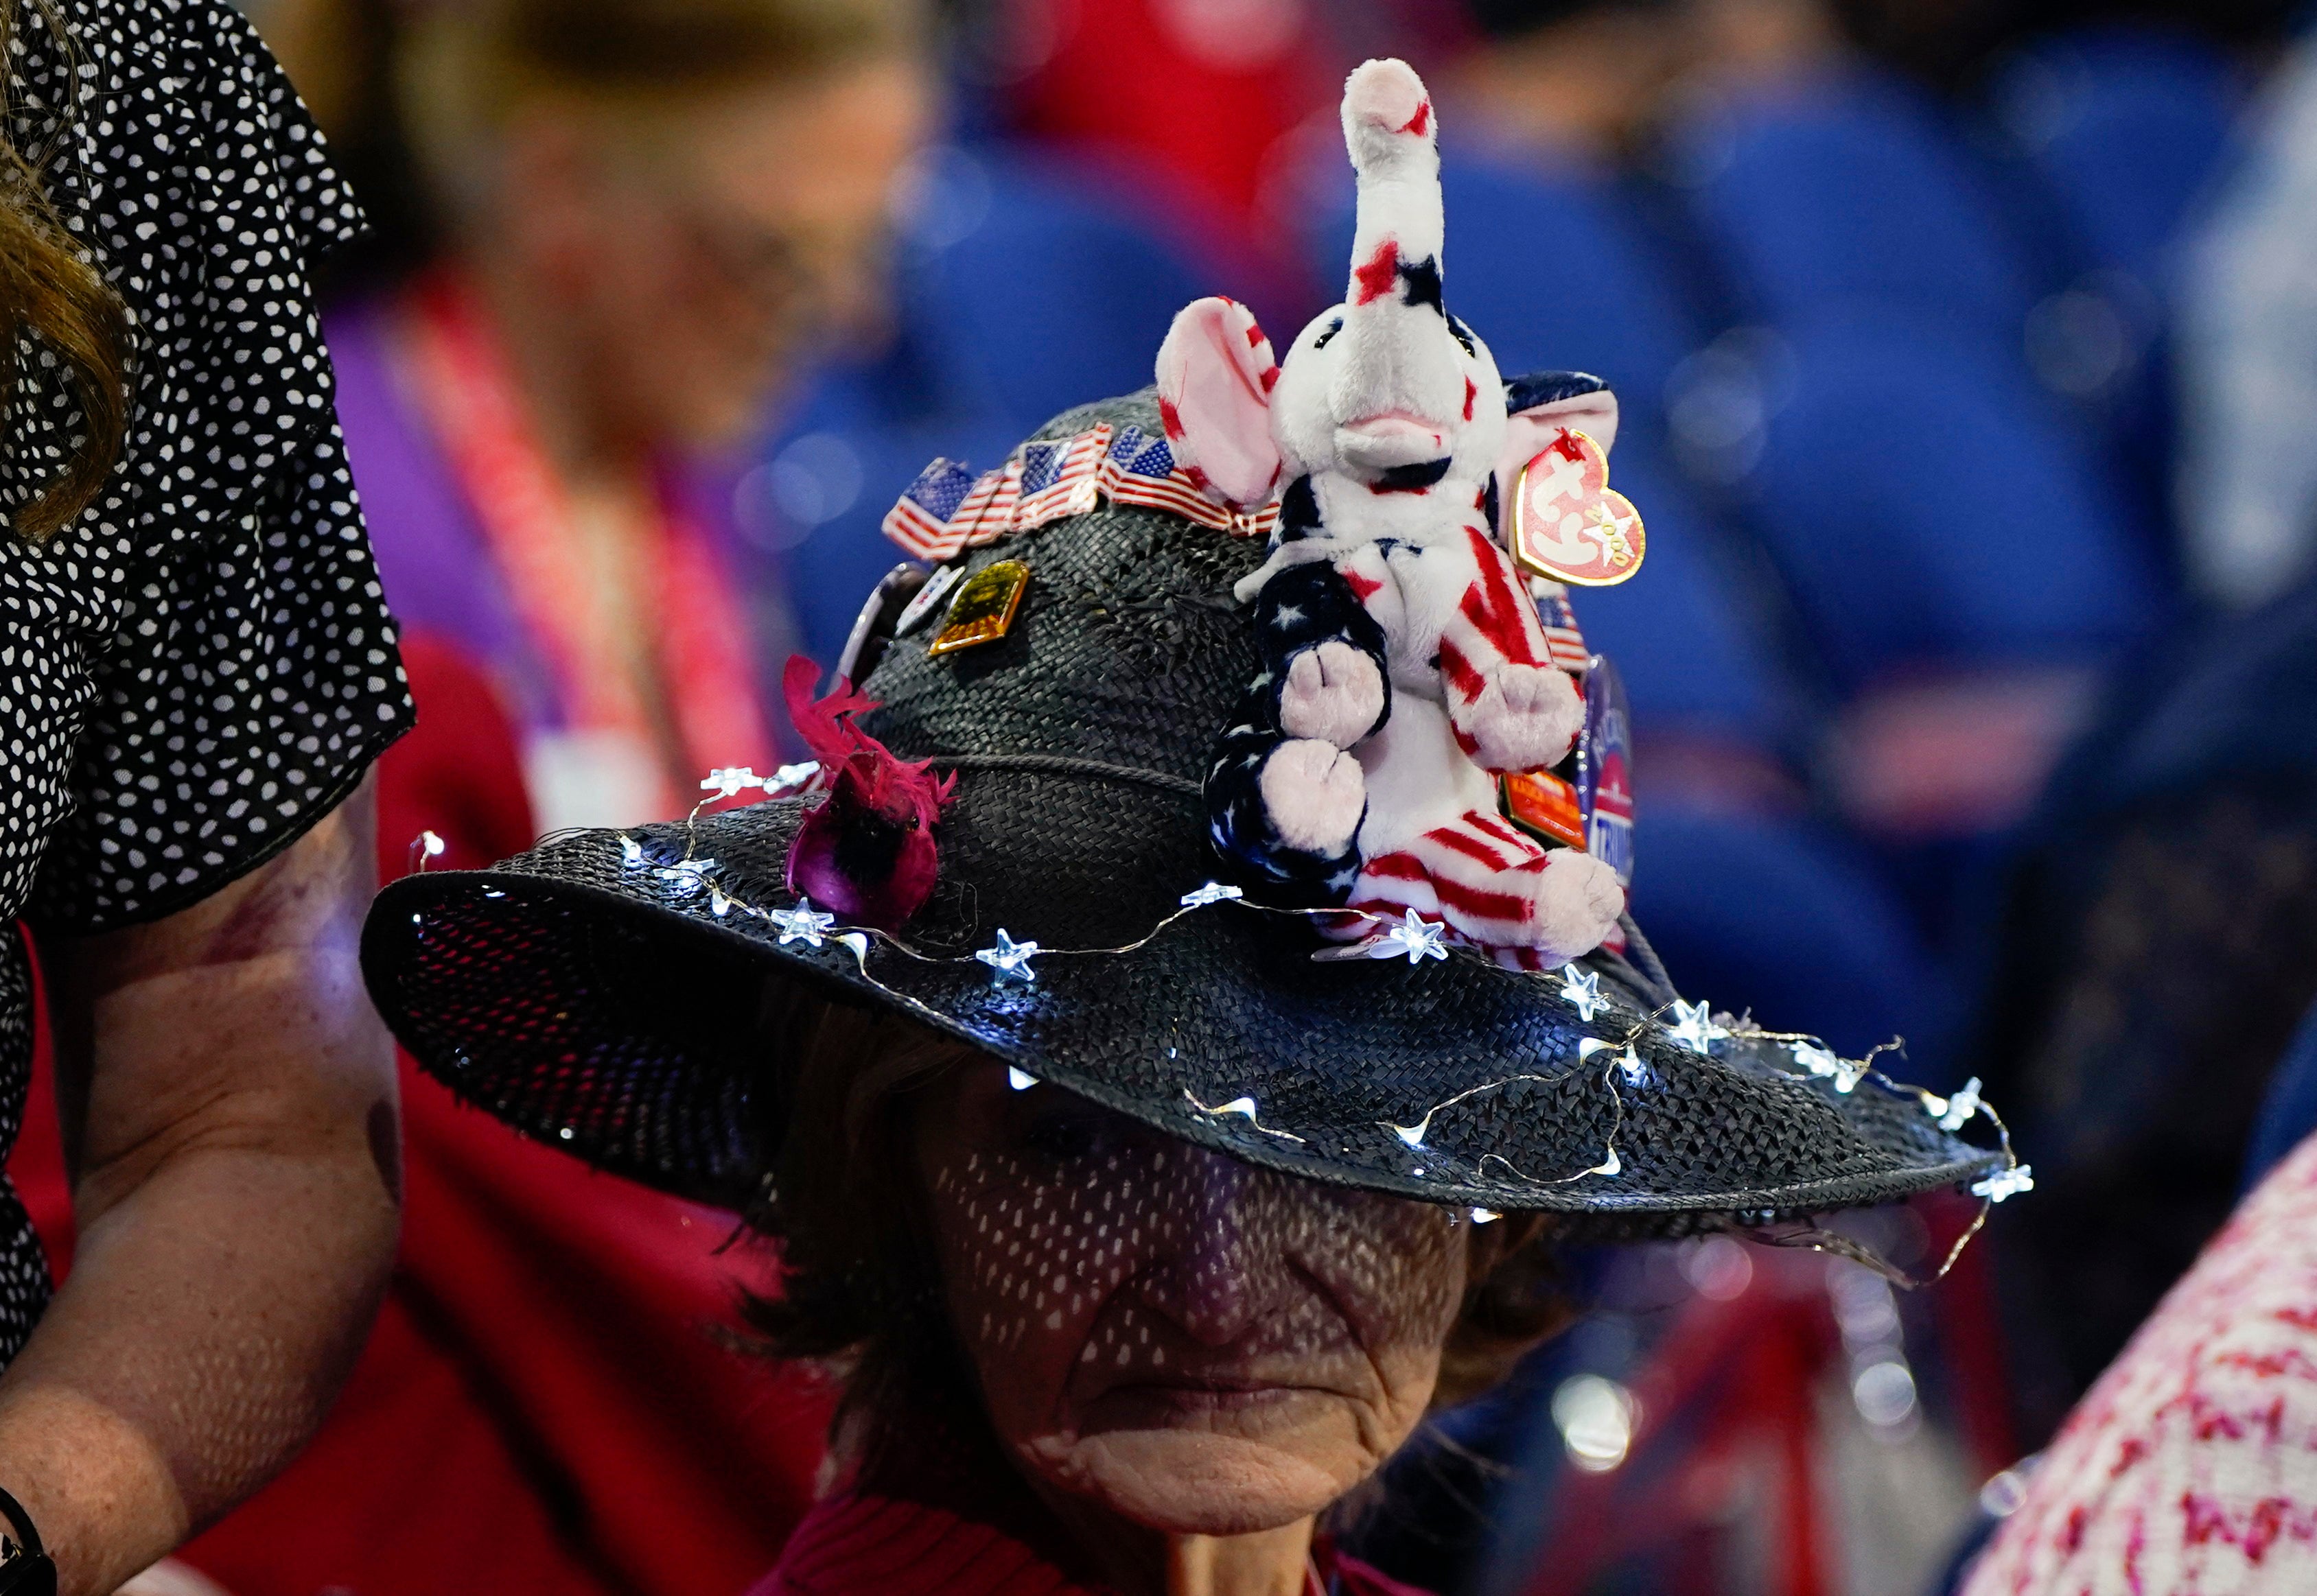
(983, 609)
(928, 598)
(1605, 787)
(1545, 805)
(1567, 524)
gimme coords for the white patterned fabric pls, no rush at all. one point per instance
(2190, 1468)
(200, 665)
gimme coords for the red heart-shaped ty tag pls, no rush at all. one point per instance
(1567, 524)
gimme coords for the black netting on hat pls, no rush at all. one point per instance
(596, 998)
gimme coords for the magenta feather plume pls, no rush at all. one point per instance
(867, 854)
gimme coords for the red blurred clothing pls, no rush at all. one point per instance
(1195, 101)
(876, 1545)
(542, 1407)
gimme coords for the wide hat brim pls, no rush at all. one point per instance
(607, 991)
(605, 1008)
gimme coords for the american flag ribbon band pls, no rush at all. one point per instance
(948, 509)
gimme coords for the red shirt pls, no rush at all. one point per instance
(878, 1546)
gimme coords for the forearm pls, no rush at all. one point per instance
(228, 1102)
(209, 1320)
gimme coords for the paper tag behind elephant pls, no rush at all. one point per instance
(1567, 524)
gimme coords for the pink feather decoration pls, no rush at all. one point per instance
(866, 854)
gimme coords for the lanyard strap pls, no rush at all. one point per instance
(697, 630)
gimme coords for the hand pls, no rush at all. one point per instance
(1334, 694)
(1523, 718)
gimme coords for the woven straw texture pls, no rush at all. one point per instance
(599, 1004)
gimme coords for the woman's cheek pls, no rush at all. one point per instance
(1028, 1266)
(1396, 1269)
(1396, 1266)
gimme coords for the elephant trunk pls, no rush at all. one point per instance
(1398, 388)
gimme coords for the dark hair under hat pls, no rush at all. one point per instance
(604, 992)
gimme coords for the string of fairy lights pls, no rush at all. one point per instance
(1693, 1027)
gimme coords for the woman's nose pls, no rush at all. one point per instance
(1222, 1267)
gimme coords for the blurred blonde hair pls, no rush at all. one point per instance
(464, 65)
(49, 292)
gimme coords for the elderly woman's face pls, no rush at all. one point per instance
(1198, 1345)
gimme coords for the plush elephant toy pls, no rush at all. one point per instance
(1405, 667)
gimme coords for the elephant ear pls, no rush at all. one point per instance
(1539, 405)
(1215, 377)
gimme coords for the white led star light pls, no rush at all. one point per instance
(1825, 1063)
(1418, 938)
(1954, 1113)
(1694, 1029)
(1580, 990)
(2005, 1182)
(1009, 961)
(1413, 936)
(1243, 1107)
(1629, 1066)
(805, 923)
(688, 875)
(732, 782)
(1818, 1060)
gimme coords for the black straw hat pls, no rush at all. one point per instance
(604, 992)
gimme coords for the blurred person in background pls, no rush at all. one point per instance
(2248, 379)
(638, 221)
(647, 214)
(198, 675)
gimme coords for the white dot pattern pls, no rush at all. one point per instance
(201, 664)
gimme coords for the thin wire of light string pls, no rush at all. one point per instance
(857, 940)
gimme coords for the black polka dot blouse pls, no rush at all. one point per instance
(200, 665)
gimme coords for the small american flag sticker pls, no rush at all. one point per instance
(948, 509)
